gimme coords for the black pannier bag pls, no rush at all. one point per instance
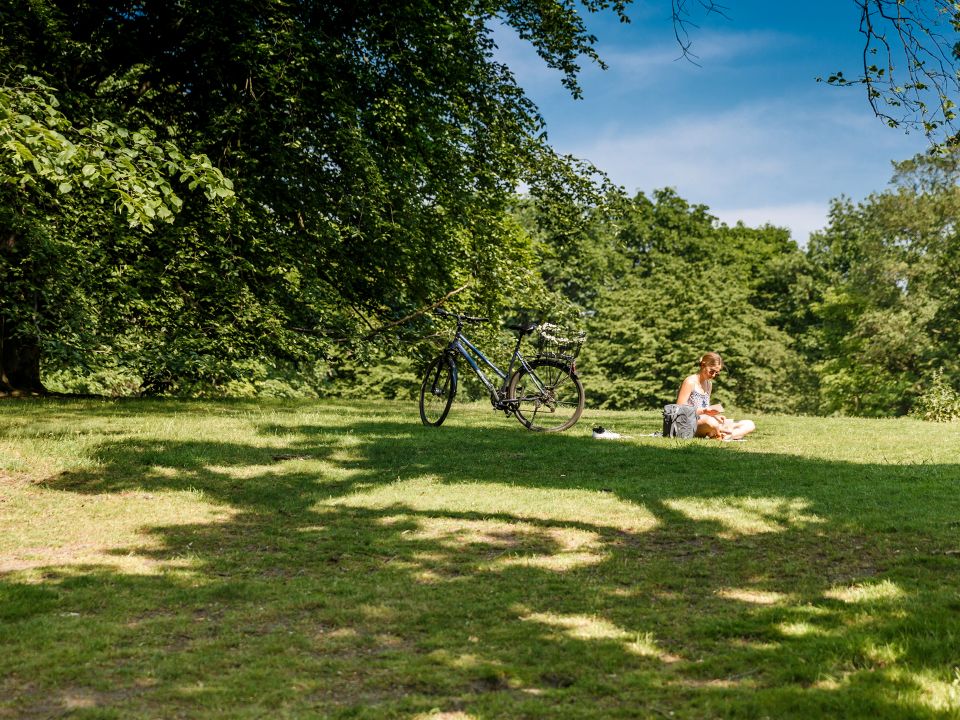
(679, 421)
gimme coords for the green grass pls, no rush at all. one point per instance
(163, 559)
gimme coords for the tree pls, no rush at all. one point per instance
(909, 64)
(887, 318)
(52, 172)
(374, 147)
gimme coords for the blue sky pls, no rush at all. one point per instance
(748, 132)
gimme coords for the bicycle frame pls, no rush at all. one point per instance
(462, 346)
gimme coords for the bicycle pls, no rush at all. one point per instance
(545, 394)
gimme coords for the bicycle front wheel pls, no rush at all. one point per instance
(437, 391)
(548, 396)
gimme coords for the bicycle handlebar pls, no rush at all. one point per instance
(460, 318)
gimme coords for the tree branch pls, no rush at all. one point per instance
(387, 326)
(680, 15)
(411, 316)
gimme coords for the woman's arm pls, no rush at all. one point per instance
(715, 409)
(717, 412)
(686, 387)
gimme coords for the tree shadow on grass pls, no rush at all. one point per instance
(380, 569)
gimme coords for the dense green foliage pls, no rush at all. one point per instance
(861, 321)
(63, 247)
(939, 402)
(692, 286)
(372, 146)
(886, 318)
(662, 282)
(268, 196)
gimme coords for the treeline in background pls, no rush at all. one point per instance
(862, 320)
(267, 198)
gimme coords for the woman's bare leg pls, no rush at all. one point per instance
(738, 429)
(707, 426)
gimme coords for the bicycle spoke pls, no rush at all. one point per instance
(437, 391)
(549, 397)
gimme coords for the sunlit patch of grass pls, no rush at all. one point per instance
(78, 700)
(644, 645)
(519, 543)
(432, 495)
(161, 471)
(882, 591)
(579, 627)
(561, 562)
(712, 683)
(245, 472)
(747, 516)
(307, 529)
(800, 629)
(832, 684)
(585, 627)
(881, 654)
(753, 596)
(429, 577)
(936, 693)
(111, 530)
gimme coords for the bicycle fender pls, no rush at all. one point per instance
(456, 380)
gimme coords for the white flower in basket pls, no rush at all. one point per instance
(553, 342)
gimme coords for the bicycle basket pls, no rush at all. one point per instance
(555, 342)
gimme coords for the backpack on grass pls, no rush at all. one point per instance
(679, 421)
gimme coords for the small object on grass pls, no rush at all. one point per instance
(601, 433)
(286, 456)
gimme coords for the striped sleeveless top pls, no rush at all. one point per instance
(697, 398)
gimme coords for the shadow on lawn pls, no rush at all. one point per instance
(411, 569)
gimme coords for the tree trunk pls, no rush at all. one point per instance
(19, 363)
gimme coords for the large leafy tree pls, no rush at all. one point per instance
(373, 147)
(886, 323)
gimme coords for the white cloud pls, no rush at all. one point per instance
(749, 134)
(630, 69)
(715, 158)
(769, 161)
(709, 49)
(801, 218)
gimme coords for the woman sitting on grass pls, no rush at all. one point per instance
(711, 422)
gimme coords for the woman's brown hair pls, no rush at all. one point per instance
(710, 359)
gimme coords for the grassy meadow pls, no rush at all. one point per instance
(207, 559)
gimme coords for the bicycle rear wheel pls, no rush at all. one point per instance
(549, 397)
(437, 391)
